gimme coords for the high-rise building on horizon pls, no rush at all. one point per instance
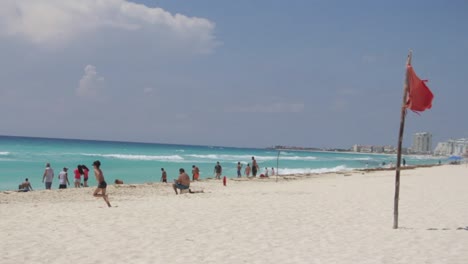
(452, 147)
(422, 143)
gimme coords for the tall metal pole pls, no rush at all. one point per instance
(400, 143)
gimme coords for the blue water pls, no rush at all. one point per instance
(22, 157)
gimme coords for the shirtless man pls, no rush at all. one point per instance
(183, 182)
(102, 185)
(25, 186)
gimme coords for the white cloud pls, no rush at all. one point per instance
(90, 83)
(58, 22)
(268, 108)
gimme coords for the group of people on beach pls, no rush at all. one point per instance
(81, 170)
(255, 168)
(218, 170)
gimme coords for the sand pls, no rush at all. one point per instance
(330, 218)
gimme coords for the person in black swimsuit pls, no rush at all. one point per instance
(102, 185)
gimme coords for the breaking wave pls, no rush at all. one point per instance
(287, 171)
(137, 157)
(248, 157)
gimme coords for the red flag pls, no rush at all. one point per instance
(419, 95)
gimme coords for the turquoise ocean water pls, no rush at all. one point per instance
(22, 157)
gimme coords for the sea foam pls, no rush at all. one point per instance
(138, 157)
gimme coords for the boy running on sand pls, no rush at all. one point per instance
(102, 185)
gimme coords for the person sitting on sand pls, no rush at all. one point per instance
(25, 186)
(183, 182)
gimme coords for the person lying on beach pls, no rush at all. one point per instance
(102, 185)
(25, 186)
(183, 182)
(117, 181)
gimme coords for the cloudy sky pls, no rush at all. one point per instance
(231, 73)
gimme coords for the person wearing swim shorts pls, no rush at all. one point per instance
(239, 168)
(254, 167)
(25, 186)
(63, 179)
(102, 185)
(183, 182)
(48, 176)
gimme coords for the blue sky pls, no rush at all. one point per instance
(233, 73)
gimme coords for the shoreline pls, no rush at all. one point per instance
(275, 178)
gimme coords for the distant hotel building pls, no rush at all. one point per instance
(376, 149)
(452, 147)
(422, 143)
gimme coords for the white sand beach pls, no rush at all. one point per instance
(331, 218)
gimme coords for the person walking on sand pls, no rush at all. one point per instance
(254, 167)
(164, 175)
(239, 168)
(77, 179)
(102, 185)
(218, 170)
(247, 170)
(85, 175)
(266, 171)
(272, 171)
(63, 179)
(48, 176)
(182, 183)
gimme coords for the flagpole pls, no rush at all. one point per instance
(400, 143)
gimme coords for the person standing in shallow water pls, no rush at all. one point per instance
(247, 170)
(164, 175)
(218, 170)
(85, 175)
(239, 168)
(195, 173)
(102, 185)
(63, 179)
(77, 179)
(254, 167)
(48, 176)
